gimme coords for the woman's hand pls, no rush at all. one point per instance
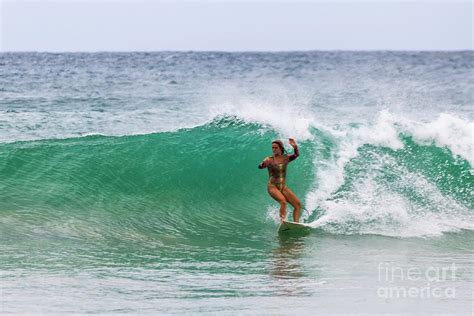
(292, 143)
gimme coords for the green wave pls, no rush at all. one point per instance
(179, 183)
(192, 184)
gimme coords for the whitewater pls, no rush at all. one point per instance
(132, 178)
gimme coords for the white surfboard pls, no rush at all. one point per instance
(287, 226)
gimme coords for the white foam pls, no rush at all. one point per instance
(376, 208)
(280, 108)
(330, 174)
(371, 207)
(446, 131)
(273, 214)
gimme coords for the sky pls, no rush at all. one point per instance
(237, 25)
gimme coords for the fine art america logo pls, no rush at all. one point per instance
(413, 282)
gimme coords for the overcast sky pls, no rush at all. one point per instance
(105, 25)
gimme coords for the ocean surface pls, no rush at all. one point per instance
(129, 183)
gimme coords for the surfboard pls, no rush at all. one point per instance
(287, 226)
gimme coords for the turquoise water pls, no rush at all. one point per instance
(129, 182)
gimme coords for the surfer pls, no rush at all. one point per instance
(277, 189)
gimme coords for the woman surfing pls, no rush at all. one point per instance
(276, 165)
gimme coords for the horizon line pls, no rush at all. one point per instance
(239, 51)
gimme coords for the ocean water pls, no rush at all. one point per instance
(129, 183)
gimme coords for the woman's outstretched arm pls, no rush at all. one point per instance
(296, 152)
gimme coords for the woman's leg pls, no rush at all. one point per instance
(280, 198)
(294, 201)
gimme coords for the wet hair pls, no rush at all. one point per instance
(280, 143)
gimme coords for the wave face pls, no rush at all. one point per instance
(203, 183)
(177, 183)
